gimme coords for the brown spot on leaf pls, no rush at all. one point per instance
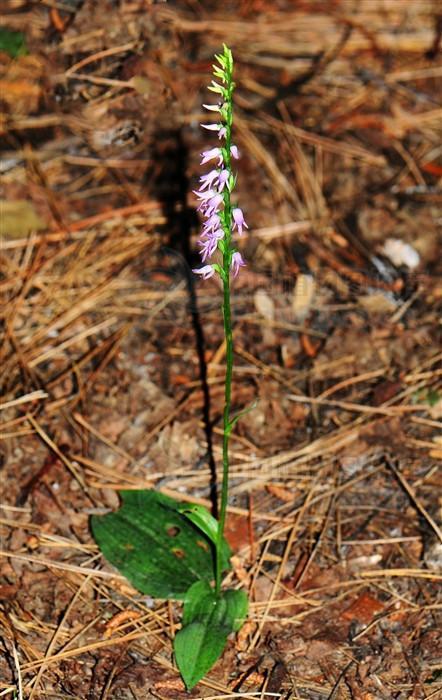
(173, 530)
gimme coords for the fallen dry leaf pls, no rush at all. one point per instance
(363, 609)
(280, 492)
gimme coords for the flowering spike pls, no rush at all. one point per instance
(215, 187)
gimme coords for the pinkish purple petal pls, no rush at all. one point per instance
(212, 223)
(212, 127)
(211, 154)
(208, 248)
(205, 272)
(211, 206)
(207, 180)
(239, 221)
(237, 263)
(223, 177)
(204, 195)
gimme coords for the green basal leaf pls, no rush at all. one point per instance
(201, 517)
(205, 522)
(12, 43)
(208, 620)
(197, 599)
(158, 548)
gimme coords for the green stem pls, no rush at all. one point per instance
(226, 419)
(227, 252)
(228, 334)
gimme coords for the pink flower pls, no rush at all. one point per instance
(211, 154)
(210, 206)
(218, 233)
(208, 180)
(220, 128)
(210, 201)
(212, 223)
(223, 178)
(234, 152)
(209, 246)
(205, 272)
(204, 195)
(238, 218)
(237, 262)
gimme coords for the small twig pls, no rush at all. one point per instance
(334, 692)
(98, 56)
(415, 501)
(98, 80)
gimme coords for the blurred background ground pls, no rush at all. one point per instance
(335, 503)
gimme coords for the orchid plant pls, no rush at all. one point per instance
(169, 549)
(221, 219)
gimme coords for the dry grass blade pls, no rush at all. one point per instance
(416, 502)
(33, 396)
(86, 571)
(55, 637)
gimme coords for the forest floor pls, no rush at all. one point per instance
(335, 505)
